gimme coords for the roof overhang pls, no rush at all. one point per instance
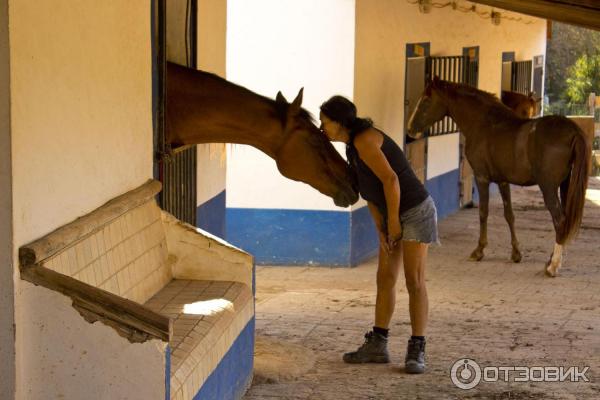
(585, 13)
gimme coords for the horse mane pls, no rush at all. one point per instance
(490, 102)
(277, 107)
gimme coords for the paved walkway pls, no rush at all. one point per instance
(495, 312)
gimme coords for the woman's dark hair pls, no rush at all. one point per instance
(343, 111)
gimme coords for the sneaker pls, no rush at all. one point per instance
(373, 350)
(414, 363)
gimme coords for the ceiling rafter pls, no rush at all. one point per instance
(585, 13)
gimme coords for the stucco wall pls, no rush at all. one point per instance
(384, 27)
(81, 135)
(65, 357)
(175, 31)
(277, 45)
(7, 341)
(360, 53)
(212, 26)
(272, 46)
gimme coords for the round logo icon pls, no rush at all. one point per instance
(465, 373)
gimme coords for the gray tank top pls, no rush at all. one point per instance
(412, 191)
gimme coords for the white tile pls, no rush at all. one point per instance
(94, 246)
(108, 244)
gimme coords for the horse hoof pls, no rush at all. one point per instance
(516, 257)
(550, 271)
(476, 256)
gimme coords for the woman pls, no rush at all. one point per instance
(405, 217)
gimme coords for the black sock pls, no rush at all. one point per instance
(421, 338)
(383, 332)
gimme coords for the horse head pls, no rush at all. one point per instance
(525, 106)
(535, 104)
(306, 155)
(430, 109)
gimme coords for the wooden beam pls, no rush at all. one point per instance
(57, 240)
(585, 13)
(583, 3)
(130, 319)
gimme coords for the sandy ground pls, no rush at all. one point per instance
(495, 312)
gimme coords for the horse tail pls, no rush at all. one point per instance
(578, 181)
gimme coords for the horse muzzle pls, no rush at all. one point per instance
(346, 198)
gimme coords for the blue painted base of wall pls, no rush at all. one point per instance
(493, 191)
(303, 237)
(329, 238)
(210, 216)
(365, 240)
(291, 237)
(233, 375)
(445, 191)
(168, 373)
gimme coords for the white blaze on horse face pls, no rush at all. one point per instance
(556, 260)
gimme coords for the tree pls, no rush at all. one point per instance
(567, 45)
(583, 78)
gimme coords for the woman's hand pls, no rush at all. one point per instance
(383, 240)
(394, 234)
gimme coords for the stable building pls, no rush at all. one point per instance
(104, 294)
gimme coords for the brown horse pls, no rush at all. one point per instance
(204, 108)
(501, 147)
(524, 105)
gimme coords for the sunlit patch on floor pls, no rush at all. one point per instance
(593, 195)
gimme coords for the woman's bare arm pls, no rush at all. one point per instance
(368, 144)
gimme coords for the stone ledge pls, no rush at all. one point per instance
(57, 240)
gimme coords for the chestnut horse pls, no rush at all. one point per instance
(501, 147)
(204, 108)
(524, 105)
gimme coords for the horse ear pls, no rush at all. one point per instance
(280, 99)
(297, 103)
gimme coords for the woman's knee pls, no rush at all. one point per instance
(386, 279)
(415, 283)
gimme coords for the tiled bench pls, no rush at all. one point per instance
(151, 277)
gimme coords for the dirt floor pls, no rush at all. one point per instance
(495, 312)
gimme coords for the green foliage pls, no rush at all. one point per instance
(564, 108)
(567, 45)
(583, 78)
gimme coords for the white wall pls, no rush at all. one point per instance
(284, 45)
(7, 315)
(212, 34)
(81, 93)
(442, 154)
(384, 27)
(66, 357)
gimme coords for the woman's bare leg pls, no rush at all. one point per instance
(387, 275)
(415, 260)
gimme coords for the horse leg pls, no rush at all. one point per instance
(558, 219)
(510, 218)
(483, 187)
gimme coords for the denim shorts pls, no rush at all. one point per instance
(420, 223)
